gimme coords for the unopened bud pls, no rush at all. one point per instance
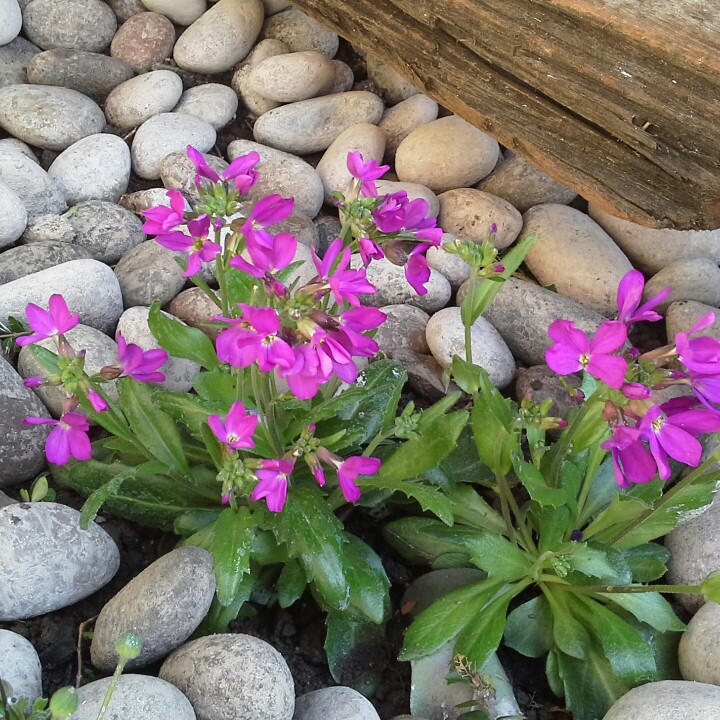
(64, 702)
(129, 645)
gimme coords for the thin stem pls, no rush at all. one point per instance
(376, 441)
(605, 589)
(111, 689)
(222, 285)
(508, 502)
(468, 325)
(597, 455)
(565, 444)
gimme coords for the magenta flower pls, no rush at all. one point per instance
(369, 250)
(306, 375)
(266, 211)
(350, 469)
(33, 382)
(268, 253)
(333, 356)
(365, 172)
(139, 364)
(573, 351)
(273, 485)
(671, 430)
(161, 219)
(630, 293)
(635, 391)
(706, 389)
(198, 246)
(237, 430)
(417, 272)
(55, 321)
(345, 284)
(67, 439)
(632, 461)
(390, 217)
(240, 170)
(701, 354)
(97, 400)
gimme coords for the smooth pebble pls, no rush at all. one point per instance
(214, 103)
(136, 100)
(143, 41)
(20, 669)
(301, 32)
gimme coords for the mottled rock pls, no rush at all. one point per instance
(10, 20)
(21, 448)
(148, 272)
(445, 154)
(544, 384)
(395, 88)
(301, 32)
(334, 702)
(179, 373)
(651, 249)
(49, 228)
(14, 217)
(214, 103)
(143, 199)
(196, 309)
(48, 117)
(184, 13)
(470, 213)
(668, 700)
(100, 350)
(89, 73)
(227, 677)
(88, 286)
(27, 259)
(20, 669)
(94, 168)
(574, 254)
(135, 696)
(177, 171)
(425, 374)
(75, 24)
(404, 328)
(454, 268)
(255, 103)
(14, 59)
(164, 604)
(284, 174)
(48, 562)
(299, 225)
(221, 37)
(6, 500)
(399, 121)
(31, 184)
(311, 125)
(125, 9)
(695, 278)
(446, 337)
(143, 41)
(413, 190)
(166, 133)
(365, 138)
(523, 185)
(681, 316)
(293, 76)
(140, 98)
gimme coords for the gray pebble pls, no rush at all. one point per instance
(214, 103)
(694, 278)
(184, 13)
(10, 20)
(301, 32)
(27, 259)
(20, 669)
(681, 316)
(404, 328)
(697, 653)
(125, 9)
(399, 121)
(37, 192)
(17, 146)
(48, 562)
(293, 76)
(668, 700)
(177, 171)
(339, 703)
(14, 59)
(13, 214)
(140, 98)
(255, 103)
(425, 374)
(542, 384)
(455, 269)
(395, 88)
(49, 228)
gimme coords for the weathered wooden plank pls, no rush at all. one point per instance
(618, 99)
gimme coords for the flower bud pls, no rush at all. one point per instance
(64, 702)
(129, 645)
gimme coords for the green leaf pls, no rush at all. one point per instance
(47, 359)
(491, 421)
(650, 608)
(554, 524)
(192, 521)
(153, 428)
(618, 513)
(367, 583)
(710, 587)
(447, 617)
(217, 386)
(536, 485)
(569, 634)
(39, 489)
(97, 499)
(315, 537)
(231, 548)
(529, 628)
(600, 562)
(181, 340)
(220, 616)
(603, 489)
(466, 375)
(646, 562)
(239, 286)
(469, 508)
(356, 652)
(430, 499)
(291, 584)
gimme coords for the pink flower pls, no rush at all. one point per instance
(68, 438)
(365, 172)
(48, 323)
(345, 284)
(33, 382)
(139, 364)
(268, 253)
(632, 461)
(203, 250)
(306, 375)
(629, 295)
(417, 272)
(334, 357)
(161, 219)
(237, 430)
(701, 354)
(273, 485)
(266, 211)
(369, 250)
(240, 170)
(97, 400)
(635, 391)
(573, 351)
(350, 469)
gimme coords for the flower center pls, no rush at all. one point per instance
(584, 359)
(269, 339)
(232, 437)
(657, 424)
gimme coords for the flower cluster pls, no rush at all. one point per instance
(645, 434)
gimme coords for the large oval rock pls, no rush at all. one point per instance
(48, 117)
(94, 168)
(88, 286)
(232, 677)
(164, 604)
(184, 13)
(697, 653)
(14, 59)
(135, 696)
(668, 700)
(470, 213)
(179, 373)
(21, 448)
(196, 309)
(143, 41)
(140, 98)
(446, 337)
(89, 73)
(11, 22)
(301, 32)
(37, 192)
(403, 329)
(694, 278)
(166, 133)
(75, 24)
(365, 138)
(311, 125)
(399, 121)
(221, 37)
(14, 216)
(651, 249)
(48, 562)
(20, 669)
(445, 154)
(293, 77)
(334, 702)
(49, 229)
(574, 254)
(256, 103)
(28, 259)
(284, 174)
(148, 272)
(212, 102)
(100, 350)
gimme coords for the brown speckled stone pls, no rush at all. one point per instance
(144, 40)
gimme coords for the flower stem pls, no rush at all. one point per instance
(592, 589)
(111, 689)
